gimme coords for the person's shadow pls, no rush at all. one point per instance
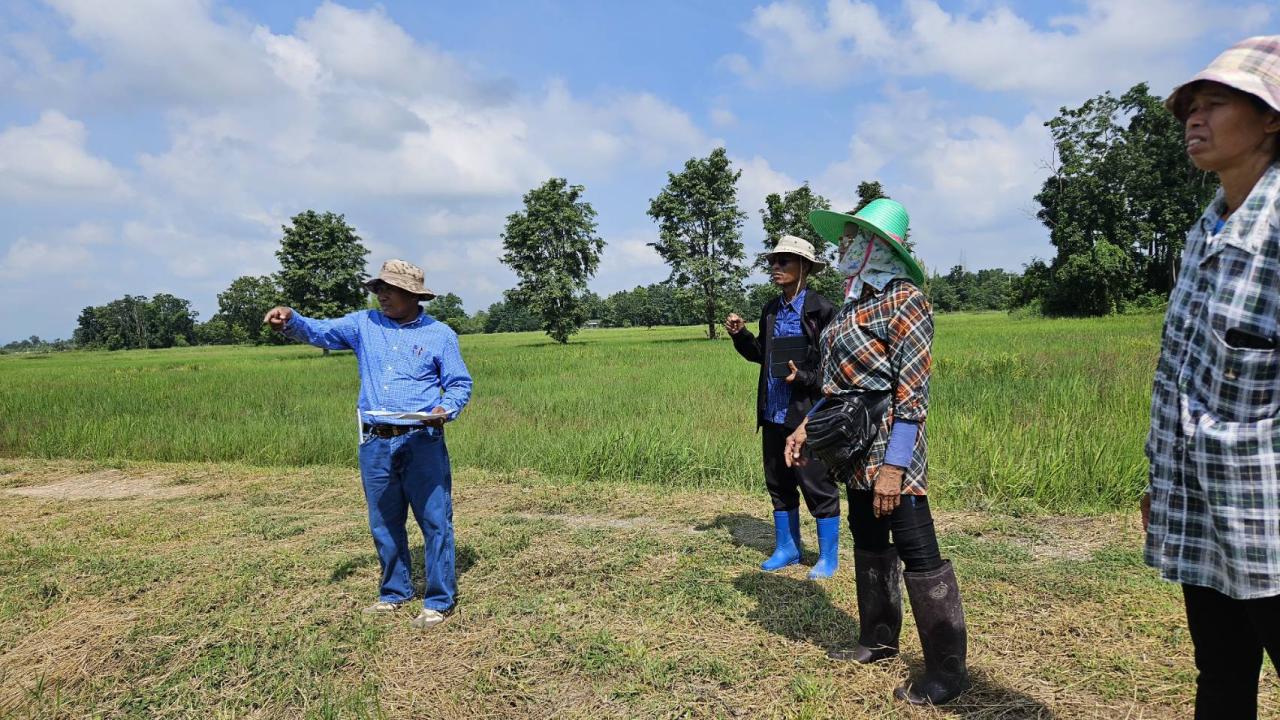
(801, 610)
(797, 610)
(750, 531)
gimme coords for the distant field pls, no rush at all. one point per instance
(1026, 415)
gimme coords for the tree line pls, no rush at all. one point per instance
(1119, 198)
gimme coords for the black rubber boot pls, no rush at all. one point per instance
(935, 600)
(879, 578)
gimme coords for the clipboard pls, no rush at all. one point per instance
(393, 415)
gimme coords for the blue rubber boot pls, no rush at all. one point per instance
(828, 548)
(786, 530)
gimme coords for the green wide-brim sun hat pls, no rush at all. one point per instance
(884, 217)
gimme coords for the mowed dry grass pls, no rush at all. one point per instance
(203, 590)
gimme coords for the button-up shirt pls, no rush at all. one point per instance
(882, 341)
(404, 367)
(1214, 446)
(778, 390)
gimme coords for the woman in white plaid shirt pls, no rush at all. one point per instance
(1212, 509)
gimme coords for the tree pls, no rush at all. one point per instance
(242, 306)
(1120, 177)
(1032, 286)
(1094, 282)
(321, 265)
(699, 230)
(90, 328)
(220, 332)
(134, 321)
(553, 248)
(446, 308)
(510, 315)
(170, 321)
(788, 214)
(868, 190)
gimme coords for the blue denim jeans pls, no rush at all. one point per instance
(411, 471)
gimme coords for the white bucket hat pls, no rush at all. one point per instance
(403, 275)
(792, 245)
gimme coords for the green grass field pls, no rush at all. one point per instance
(1028, 415)
(142, 590)
(185, 537)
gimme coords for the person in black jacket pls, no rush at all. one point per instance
(790, 383)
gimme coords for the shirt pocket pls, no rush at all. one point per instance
(418, 363)
(1242, 361)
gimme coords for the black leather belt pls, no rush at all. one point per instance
(389, 431)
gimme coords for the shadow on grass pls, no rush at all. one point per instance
(989, 699)
(797, 610)
(464, 559)
(801, 610)
(750, 531)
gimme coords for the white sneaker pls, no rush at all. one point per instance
(382, 607)
(427, 619)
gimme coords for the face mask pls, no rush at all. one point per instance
(855, 255)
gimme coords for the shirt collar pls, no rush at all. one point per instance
(1239, 230)
(422, 314)
(797, 302)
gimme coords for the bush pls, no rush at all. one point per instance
(1150, 302)
(1032, 310)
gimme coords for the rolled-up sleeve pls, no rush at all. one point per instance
(455, 380)
(911, 340)
(339, 334)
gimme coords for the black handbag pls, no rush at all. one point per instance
(841, 431)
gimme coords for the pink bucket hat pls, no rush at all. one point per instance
(1251, 66)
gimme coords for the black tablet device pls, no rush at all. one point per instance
(783, 349)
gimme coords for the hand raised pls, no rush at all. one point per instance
(276, 317)
(734, 324)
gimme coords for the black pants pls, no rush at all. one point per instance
(820, 493)
(1229, 636)
(911, 525)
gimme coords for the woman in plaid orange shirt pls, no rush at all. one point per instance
(879, 342)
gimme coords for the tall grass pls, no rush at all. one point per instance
(1028, 414)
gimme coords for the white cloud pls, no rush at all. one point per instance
(164, 51)
(965, 179)
(627, 256)
(27, 256)
(447, 223)
(758, 180)
(995, 49)
(47, 162)
(723, 118)
(66, 254)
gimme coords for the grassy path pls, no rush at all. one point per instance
(205, 590)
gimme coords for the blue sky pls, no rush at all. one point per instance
(157, 145)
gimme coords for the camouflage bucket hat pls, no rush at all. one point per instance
(403, 275)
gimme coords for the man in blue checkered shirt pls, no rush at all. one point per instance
(1212, 509)
(409, 363)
